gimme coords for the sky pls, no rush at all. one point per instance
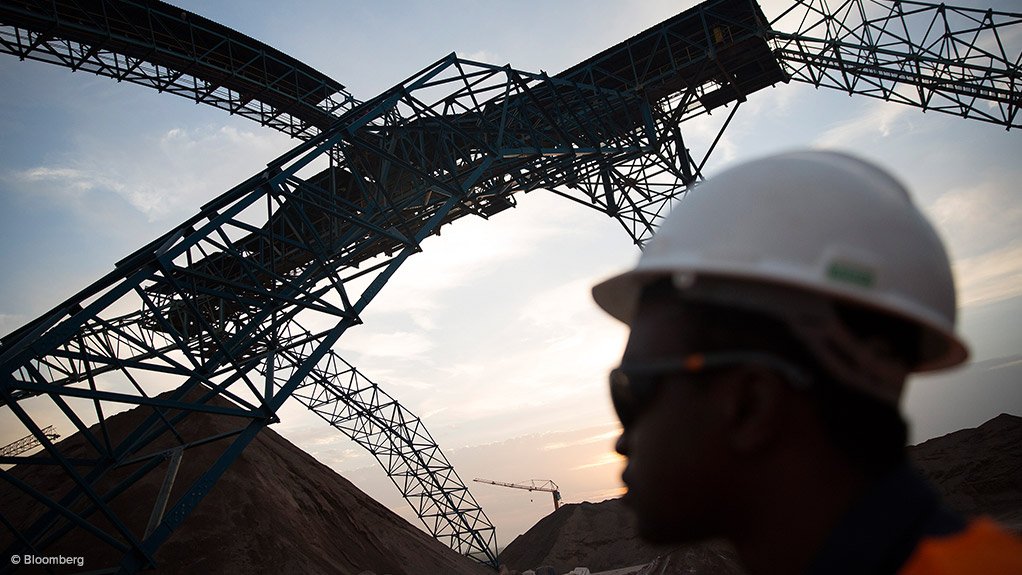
(489, 335)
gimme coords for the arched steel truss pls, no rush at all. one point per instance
(243, 301)
(160, 46)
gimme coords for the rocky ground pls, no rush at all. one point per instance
(278, 510)
(977, 471)
(602, 537)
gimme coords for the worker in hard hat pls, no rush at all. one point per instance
(774, 319)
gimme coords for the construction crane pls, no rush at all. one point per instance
(27, 443)
(533, 485)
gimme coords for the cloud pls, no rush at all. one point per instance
(560, 306)
(77, 179)
(167, 176)
(981, 221)
(603, 437)
(700, 133)
(484, 56)
(67, 185)
(1004, 363)
(405, 345)
(583, 337)
(608, 458)
(453, 259)
(517, 336)
(990, 277)
(982, 216)
(467, 255)
(880, 120)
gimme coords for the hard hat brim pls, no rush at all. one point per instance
(619, 296)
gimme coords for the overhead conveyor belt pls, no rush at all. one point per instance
(158, 45)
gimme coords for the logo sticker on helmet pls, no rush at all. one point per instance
(851, 274)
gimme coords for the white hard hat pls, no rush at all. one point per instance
(812, 224)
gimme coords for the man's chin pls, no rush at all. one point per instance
(656, 529)
(654, 536)
(671, 533)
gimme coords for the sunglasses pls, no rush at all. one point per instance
(633, 387)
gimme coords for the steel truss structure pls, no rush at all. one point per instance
(954, 60)
(237, 309)
(163, 47)
(245, 300)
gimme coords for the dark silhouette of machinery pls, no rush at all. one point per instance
(238, 308)
(27, 443)
(546, 485)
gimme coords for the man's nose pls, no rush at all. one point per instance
(621, 445)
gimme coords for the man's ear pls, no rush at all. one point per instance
(755, 408)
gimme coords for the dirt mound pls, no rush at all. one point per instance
(602, 536)
(595, 535)
(275, 510)
(977, 471)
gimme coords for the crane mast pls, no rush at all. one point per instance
(533, 485)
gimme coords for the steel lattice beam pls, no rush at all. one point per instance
(221, 301)
(959, 61)
(224, 358)
(399, 441)
(163, 47)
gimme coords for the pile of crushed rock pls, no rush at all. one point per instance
(978, 472)
(275, 510)
(278, 510)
